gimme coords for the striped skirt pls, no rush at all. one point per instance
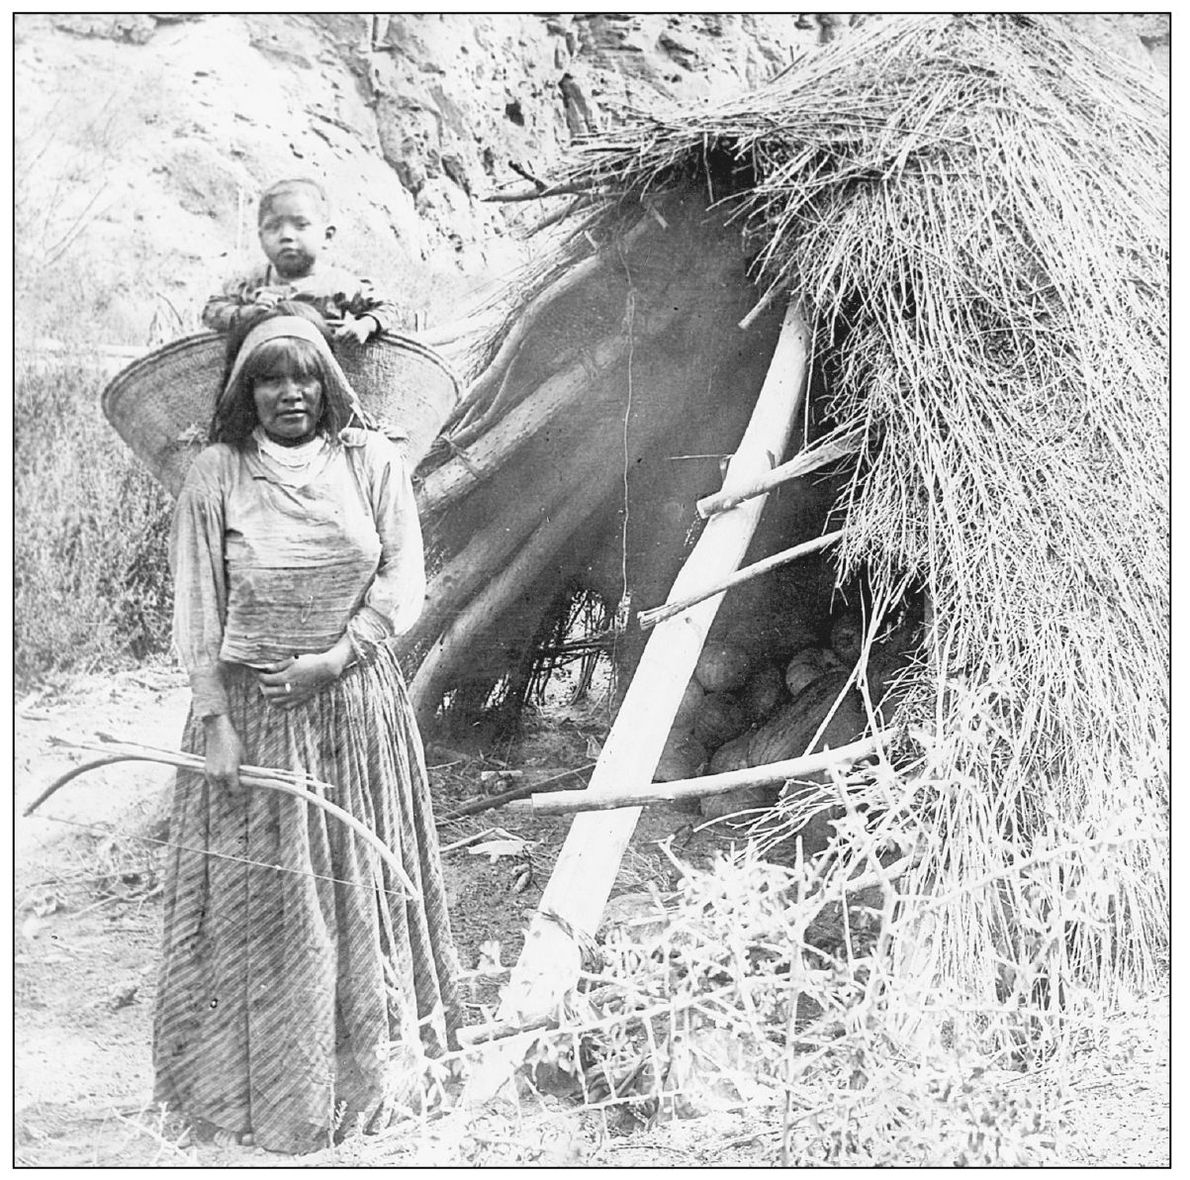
(299, 986)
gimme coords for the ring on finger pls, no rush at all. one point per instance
(289, 687)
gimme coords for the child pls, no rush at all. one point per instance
(293, 221)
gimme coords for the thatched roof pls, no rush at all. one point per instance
(974, 212)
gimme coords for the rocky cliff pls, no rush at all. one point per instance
(143, 139)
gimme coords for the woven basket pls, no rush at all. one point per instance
(161, 405)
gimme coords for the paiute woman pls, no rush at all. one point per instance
(300, 982)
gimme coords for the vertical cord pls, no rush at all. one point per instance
(630, 315)
(620, 620)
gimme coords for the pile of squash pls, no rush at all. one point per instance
(741, 710)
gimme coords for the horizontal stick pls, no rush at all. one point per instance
(533, 193)
(474, 838)
(477, 1034)
(799, 465)
(497, 1031)
(765, 303)
(567, 802)
(658, 614)
(475, 806)
(568, 210)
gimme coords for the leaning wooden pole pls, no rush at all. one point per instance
(471, 465)
(577, 891)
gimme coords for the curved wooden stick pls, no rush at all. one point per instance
(362, 830)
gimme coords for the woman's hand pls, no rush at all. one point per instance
(224, 753)
(296, 680)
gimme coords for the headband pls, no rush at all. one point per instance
(338, 389)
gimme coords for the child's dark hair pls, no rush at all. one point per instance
(296, 184)
(235, 410)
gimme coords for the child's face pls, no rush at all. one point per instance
(293, 228)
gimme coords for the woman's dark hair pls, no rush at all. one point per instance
(235, 412)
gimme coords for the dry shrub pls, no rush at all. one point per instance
(92, 584)
(809, 995)
(817, 995)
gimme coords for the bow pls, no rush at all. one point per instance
(256, 776)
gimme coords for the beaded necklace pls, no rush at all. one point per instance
(294, 462)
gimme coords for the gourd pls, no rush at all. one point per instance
(682, 757)
(720, 718)
(789, 731)
(847, 638)
(722, 667)
(764, 691)
(803, 669)
(732, 755)
(688, 707)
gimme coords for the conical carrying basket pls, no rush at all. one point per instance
(161, 405)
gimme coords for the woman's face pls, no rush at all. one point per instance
(288, 406)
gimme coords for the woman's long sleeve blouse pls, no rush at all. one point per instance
(264, 570)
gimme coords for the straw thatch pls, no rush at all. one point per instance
(975, 212)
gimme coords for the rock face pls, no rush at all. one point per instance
(142, 140)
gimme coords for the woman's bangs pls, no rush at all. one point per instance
(286, 356)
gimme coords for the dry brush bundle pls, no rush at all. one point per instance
(765, 988)
(974, 210)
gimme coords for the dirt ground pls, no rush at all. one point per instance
(87, 914)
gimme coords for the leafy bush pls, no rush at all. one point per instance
(92, 587)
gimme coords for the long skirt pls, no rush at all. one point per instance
(300, 986)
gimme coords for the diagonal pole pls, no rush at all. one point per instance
(578, 889)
